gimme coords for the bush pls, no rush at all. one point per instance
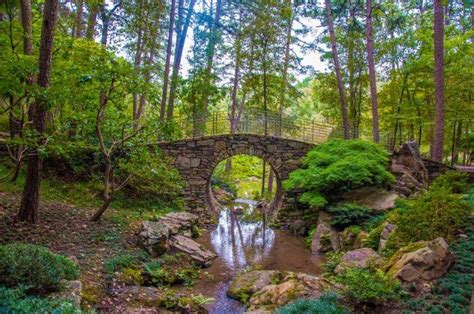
(369, 286)
(453, 181)
(326, 304)
(34, 267)
(337, 166)
(332, 260)
(437, 213)
(15, 301)
(123, 261)
(346, 214)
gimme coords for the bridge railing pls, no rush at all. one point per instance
(259, 122)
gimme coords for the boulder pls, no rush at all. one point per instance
(154, 235)
(326, 238)
(298, 227)
(71, 291)
(384, 234)
(290, 287)
(246, 284)
(200, 255)
(409, 170)
(351, 239)
(417, 269)
(377, 199)
(360, 258)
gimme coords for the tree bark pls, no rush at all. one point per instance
(340, 86)
(26, 23)
(438, 140)
(78, 26)
(284, 79)
(92, 21)
(37, 114)
(177, 59)
(168, 61)
(372, 75)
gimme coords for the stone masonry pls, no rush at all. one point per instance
(196, 159)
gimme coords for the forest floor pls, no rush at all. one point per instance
(66, 229)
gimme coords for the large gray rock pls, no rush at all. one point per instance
(360, 258)
(200, 255)
(326, 238)
(288, 287)
(154, 236)
(246, 284)
(377, 199)
(409, 169)
(387, 230)
(419, 268)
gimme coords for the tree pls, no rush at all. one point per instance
(372, 75)
(438, 135)
(335, 56)
(37, 115)
(168, 61)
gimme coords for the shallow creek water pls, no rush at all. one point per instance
(242, 243)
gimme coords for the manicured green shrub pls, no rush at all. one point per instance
(453, 181)
(369, 286)
(34, 267)
(337, 166)
(15, 301)
(347, 214)
(437, 213)
(326, 304)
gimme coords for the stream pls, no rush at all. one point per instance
(242, 241)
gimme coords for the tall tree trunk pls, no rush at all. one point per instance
(26, 23)
(211, 47)
(340, 86)
(78, 22)
(371, 64)
(284, 79)
(438, 140)
(177, 59)
(105, 25)
(168, 61)
(92, 21)
(37, 114)
(137, 62)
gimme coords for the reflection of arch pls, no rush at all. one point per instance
(196, 159)
(213, 204)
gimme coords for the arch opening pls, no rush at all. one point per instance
(246, 178)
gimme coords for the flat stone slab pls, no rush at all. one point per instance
(200, 255)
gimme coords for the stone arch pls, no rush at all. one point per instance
(197, 158)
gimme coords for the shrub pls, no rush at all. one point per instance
(326, 304)
(346, 214)
(308, 240)
(437, 213)
(125, 260)
(453, 181)
(15, 301)
(35, 267)
(338, 166)
(332, 260)
(369, 286)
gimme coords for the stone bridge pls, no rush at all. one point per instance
(197, 158)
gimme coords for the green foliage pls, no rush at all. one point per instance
(193, 303)
(326, 304)
(170, 270)
(309, 238)
(453, 181)
(337, 166)
(452, 292)
(34, 267)
(437, 213)
(369, 286)
(16, 301)
(124, 260)
(332, 260)
(347, 214)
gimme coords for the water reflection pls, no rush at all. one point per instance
(242, 238)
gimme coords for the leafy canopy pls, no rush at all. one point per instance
(338, 166)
